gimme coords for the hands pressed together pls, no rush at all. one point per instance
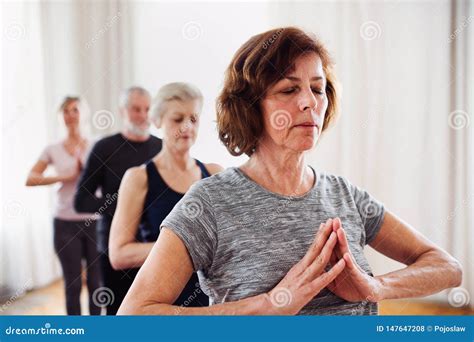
(310, 275)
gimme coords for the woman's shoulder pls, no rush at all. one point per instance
(135, 178)
(55, 144)
(333, 181)
(213, 168)
(221, 181)
(53, 148)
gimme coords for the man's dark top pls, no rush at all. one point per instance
(107, 162)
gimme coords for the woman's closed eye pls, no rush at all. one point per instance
(289, 90)
(295, 89)
(318, 91)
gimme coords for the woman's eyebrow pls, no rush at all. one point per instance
(294, 78)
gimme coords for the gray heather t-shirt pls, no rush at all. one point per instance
(243, 239)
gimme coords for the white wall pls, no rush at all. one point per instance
(193, 42)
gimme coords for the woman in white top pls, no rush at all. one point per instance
(74, 233)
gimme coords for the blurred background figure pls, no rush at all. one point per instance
(109, 159)
(149, 192)
(74, 233)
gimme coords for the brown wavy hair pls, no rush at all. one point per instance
(258, 64)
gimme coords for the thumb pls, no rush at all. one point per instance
(350, 263)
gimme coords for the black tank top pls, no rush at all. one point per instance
(159, 202)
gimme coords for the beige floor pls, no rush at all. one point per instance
(50, 301)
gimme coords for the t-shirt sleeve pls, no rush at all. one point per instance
(371, 212)
(46, 155)
(193, 220)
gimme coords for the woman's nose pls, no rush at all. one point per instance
(307, 100)
(186, 126)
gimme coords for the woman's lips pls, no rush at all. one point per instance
(307, 126)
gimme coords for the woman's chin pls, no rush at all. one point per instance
(306, 144)
(184, 145)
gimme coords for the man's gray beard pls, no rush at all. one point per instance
(135, 130)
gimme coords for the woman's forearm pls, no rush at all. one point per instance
(38, 179)
(256, 305)
(432, 272)
(131, 255)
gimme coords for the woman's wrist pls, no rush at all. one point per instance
(262, 305)
(380, 289)
(270, 307)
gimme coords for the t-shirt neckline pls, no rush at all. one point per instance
(274, 194)
(132, 142)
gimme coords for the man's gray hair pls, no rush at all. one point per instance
(125, 95)
(179, 91)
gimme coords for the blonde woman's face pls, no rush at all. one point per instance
(180, 123)
(71, 114)
(294, 108)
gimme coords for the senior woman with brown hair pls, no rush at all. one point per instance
(275, 236)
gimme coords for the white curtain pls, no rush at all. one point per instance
(27, 257)
(54, 48)
(403, 65)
